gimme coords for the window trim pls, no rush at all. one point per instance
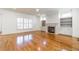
(23, 24)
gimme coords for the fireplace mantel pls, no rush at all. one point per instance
(45, 28)
(51, 24)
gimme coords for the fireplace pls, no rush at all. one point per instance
(51, 29)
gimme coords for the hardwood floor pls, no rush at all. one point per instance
(38, 41)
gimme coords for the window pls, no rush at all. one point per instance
(20, 40)
(30, 23)
(20, 23)
(24, 23)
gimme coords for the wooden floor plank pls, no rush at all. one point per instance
(37, 41)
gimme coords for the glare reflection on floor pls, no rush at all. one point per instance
(44, 42)
(39, 49)
(23, 39)
(27, 38)
(19, 40)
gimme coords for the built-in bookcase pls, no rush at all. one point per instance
(66, 22)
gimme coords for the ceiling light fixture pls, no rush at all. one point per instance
(37, 10)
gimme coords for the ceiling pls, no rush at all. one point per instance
(65, 10)
(46, 11)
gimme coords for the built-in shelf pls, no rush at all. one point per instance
(66, 22)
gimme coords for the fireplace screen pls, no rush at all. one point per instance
(51, 29)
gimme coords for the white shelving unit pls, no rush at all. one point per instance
(66, 22)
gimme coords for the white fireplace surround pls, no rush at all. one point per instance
(51, 25)
(45, 28)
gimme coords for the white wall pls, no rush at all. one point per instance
(0, 23)
(9, 22)
(65, 30)
(54, 19)
(75, 13)
(74, 31)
